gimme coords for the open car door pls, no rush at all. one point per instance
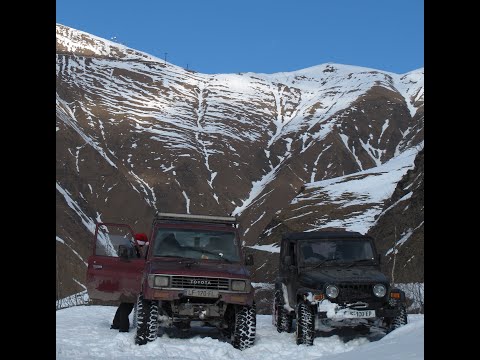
(115, 267)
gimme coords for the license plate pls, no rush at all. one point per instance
(202, 293)
(353, 314)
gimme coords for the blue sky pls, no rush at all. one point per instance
(263, 36)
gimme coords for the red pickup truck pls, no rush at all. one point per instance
(194, 269)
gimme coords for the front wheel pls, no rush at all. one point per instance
(282, 319)
(245, 327)
(400, 319)
(147, 320)
(305, 324)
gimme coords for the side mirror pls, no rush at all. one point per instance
(379, 259)
(249, 259)
(123, 252)
(287, 260)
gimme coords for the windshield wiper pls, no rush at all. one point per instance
(188, 261)
(355, 262)
(314, 266)
(203, 251)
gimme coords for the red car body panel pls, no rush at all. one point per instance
(114, 279)
(200, 268)
(209, 268)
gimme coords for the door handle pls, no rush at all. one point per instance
(97, 266)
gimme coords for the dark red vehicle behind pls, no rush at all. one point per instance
(194, 269)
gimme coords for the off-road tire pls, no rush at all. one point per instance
(245, 327)
(135, 316)
(147, 320)
(400, 319)
(305, 324)
(282, 318)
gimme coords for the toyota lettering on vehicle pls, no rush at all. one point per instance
(203, 282)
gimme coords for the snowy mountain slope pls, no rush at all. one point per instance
(358, 196)
(136, 135)
(74, 41)
(351, 202)
(401, 222)
(83, 332)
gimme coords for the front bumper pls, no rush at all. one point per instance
(223, 296)
(348, 314)
(329, 310)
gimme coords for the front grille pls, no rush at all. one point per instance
(194, 282)
(353, 292)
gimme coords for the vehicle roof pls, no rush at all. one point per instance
(324, 235)
(195, 219)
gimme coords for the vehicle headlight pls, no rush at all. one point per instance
(160, 281)
(331, 291)
(238, 285)
(379, 290)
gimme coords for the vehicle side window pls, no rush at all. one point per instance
(111, 240)
(292, 253)
(367, 251)
(282, 250)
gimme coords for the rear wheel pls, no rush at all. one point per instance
(282, 319)
(134, 320)
(245, 327)
(147, 320)
(305, 324)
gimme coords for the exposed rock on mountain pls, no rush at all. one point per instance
(136, 135)
(399, 228)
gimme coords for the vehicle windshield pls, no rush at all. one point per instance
(313, 252)
(196, 244)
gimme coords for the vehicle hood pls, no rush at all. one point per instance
(186, 267)
(338, 275)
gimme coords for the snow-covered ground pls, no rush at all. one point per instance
(83, 332)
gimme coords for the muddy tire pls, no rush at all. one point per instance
(245, 327)
(147, 320)
(305, 325)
